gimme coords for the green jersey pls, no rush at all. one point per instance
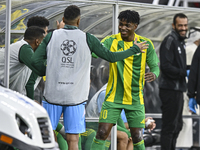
(126, 79)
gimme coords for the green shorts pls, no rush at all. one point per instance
(135, 114)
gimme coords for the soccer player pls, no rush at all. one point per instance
(124, 140)
(43, 23)
(39, 21)
(20, 59)
(126, 82)
(68, 55)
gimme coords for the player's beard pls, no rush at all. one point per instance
(181, 36)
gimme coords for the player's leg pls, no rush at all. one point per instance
(79, 142)
(74, 122)
(102, 133)
(61, 141)
(60, 128)
(121, 127)
(87, 138)
(136, 121)
(61, 138)
(107, 144)
(130, 144)
(60, 134)
(54, 112)
(108, 117)
(122, 140)
(137, 138)
(72, 141)
(123, 135)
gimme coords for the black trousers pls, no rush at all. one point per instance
(172, 122)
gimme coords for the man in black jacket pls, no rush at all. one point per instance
(194, 81)
(192, 43)
(172, 82)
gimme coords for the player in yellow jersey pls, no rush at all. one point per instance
(126, 82)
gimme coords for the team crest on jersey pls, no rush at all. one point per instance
(68, 47)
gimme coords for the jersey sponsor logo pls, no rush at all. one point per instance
(67, 60)
(68, 47)
(143, 121)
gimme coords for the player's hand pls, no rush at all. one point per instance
(150, 123)
(192, 104)
(149, 76)
(60, 24)
(141, 45)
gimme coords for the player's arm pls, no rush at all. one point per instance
(25, 54)
(167, 57)
(152, 61)
(193, 76)
(30, 85)
(100, 50)
(192, 82)
(39, 58)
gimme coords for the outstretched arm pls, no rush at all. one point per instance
(152, 61)
(100, 50)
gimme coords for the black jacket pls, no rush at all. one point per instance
(173, 63)
(194, 77)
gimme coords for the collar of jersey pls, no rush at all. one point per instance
(120, 38)
(70, 27)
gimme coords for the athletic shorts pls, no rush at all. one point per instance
(135, 115)
(73, 117)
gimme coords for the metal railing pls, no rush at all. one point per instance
(176, 2)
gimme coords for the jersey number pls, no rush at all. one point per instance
(103, 114)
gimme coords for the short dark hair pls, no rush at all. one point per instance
(34, 32)
(130, 16)
(180, 15)
(72, 12)
(39, 21)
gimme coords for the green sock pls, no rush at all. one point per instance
(59, 127)
(87, 138)
(107, 144)
(79, 143)
(61, 141)
(97, 144)
(139, 145)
